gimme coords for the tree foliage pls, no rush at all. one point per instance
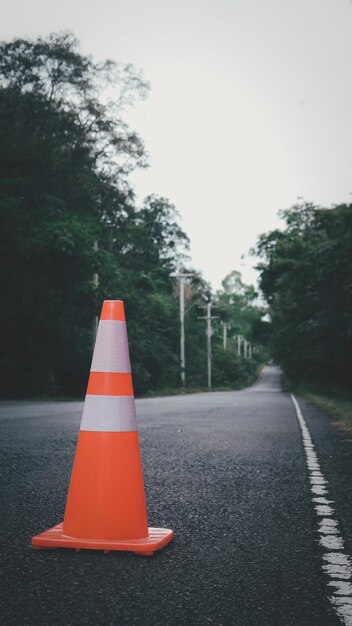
(71, 234)
(306, 278)
(64, 157)
(238, 305)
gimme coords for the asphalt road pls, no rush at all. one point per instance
(226, 471)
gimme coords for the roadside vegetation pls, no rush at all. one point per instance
(306, 278)
(72, 235)
(338, 405)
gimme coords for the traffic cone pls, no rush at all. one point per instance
(106, 507)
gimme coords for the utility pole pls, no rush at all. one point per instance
(224, 334)
(239, 345)
(209, 333)
(182, 278)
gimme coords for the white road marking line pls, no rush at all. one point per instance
(336, 564)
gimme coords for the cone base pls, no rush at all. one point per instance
(54, 538)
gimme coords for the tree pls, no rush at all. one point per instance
(238, 305)
(153, 250)
(65, 155)
(306, 279)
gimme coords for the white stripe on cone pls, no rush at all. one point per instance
(109, 414)
(111, 348)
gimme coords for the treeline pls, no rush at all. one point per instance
(71, 234)
(306, 277)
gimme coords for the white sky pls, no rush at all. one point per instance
(250, 107)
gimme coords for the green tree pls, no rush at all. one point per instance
(154, 249)
(64, 160)
(306, 279)
(235, 305)
(238, 305)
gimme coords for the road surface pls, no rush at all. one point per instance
(259, 500)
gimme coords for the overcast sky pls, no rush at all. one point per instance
(250, 105)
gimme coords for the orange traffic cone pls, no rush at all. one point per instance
(106, 507)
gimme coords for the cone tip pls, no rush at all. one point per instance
(113, 310)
